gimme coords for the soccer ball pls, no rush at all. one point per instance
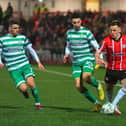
(107, 108)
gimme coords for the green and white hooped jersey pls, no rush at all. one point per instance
(13, 51)
(79, 44)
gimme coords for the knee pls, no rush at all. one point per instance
(30, 82)
(87, 77)
(23, 87)
(78, 87)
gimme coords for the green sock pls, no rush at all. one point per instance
(94, 82)
(88, 95)
(35, 93)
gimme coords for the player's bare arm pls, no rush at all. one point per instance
(100, 60)
(97, 59)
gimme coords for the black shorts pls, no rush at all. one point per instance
(112, 76)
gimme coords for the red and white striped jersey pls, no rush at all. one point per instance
(116, 52)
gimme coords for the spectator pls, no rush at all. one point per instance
(43, 8)
(9, 10)
(36, 9)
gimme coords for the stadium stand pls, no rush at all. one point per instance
(47, 30)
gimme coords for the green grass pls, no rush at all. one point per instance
(62, 104)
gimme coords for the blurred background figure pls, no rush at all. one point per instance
(43, 8)
(9, 10)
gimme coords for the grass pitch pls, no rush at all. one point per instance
(62, 104)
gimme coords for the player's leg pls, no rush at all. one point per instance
(92, 98)
(77, 76)
(110, 80)
(121, 93)
(23, 89)
(28, 73)
(109, 92)
(35, 92)
(88, 68)
(20, 82)
(122, 90)
(87, 77)
(83, 90)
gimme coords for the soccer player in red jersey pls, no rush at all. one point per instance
(115, 45)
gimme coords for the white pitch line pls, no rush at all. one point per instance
(68, 75)
(55, 72)
(58, 73)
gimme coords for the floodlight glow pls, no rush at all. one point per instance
(40, 0)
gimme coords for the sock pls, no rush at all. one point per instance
(119, 96)
(109, 95)
(94, 82)
(88, 95)
(35, 94)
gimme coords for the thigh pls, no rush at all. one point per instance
(30, 82)
(23, 87)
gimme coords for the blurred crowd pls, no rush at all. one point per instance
(47, 29)
(4, 17)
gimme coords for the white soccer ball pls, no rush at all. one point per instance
(107, 108)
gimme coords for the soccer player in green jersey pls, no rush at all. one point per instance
(79, 41)
(13, 47)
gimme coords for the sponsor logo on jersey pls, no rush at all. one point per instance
(12, 49)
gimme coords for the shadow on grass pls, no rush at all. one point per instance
(11, 107)
(68, 109)
(60, 108)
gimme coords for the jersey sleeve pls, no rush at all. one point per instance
(27, 42)
(33, 53)
(92, 40)
(28, 46)
(67, 48)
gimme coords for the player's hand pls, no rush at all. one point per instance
(41, 66)
(97, 60)
(105, 63)
(97, 54)
(65, 58)
(1, 66)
